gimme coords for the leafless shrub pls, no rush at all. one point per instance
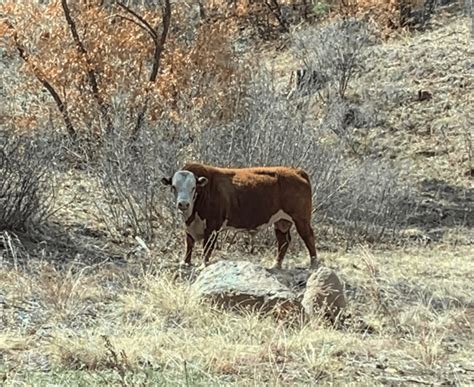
(335, 52)
(344, 119)
(357, 200)
(268, 129)
(26, 194)
(130, 175)
(360, 200)
(374, 204)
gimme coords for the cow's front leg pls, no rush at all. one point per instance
(189, 249)
(210, 239)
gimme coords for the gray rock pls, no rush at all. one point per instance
(324, 294)
(244, 285)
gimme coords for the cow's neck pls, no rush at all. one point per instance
(200, 206)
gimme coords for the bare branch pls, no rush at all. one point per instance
(91, 76)
(72, 27)
(166, 20)
(152, 35)
(145, 25)
(46, 84)
(159, 47)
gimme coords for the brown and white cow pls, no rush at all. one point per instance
(212, 199)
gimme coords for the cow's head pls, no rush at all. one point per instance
(185, 185)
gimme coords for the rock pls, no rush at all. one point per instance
(241, 284)
(324, 294)
(295, 279)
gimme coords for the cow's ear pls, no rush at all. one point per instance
(166, 181)
(202, 181)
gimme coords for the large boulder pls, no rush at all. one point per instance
(244, 285)
(324, 294)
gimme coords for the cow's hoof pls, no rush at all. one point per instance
(314, 266)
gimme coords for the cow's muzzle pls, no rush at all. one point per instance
(183, 206)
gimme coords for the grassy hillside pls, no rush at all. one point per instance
(83, 303)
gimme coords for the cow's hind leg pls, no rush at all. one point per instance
(283, 236)
(306, 233)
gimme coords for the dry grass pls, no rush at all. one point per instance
(131, 323)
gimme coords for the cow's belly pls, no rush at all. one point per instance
(280, 215)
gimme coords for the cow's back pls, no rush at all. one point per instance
(250, 197)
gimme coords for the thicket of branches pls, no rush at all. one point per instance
(157, 83)
(26, 186)
(158, 56)
(90, 57)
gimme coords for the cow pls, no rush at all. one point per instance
(211, 199)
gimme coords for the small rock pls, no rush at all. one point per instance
(324, 294)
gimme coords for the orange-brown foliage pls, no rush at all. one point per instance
(199, 71)
(120, 53)
(384, 13)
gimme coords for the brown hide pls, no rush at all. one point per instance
(248, 197)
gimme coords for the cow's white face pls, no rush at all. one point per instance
(184, 185)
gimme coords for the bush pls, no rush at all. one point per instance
(358, 200)
(130, 175)
(372, 204)
(332, 56)
(334, 52)
(78, 59)
(26, 189)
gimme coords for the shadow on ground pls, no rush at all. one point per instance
(443, 206)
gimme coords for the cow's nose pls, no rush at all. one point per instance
(183, 206)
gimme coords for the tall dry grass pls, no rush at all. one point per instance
(134, 325)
